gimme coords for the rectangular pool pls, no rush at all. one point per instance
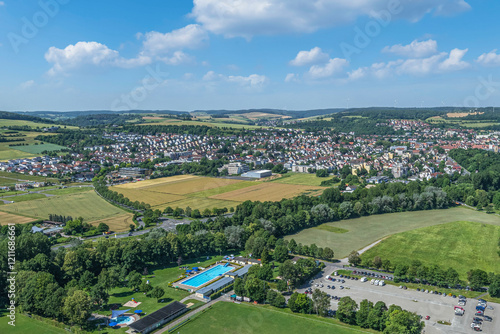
(207, 275)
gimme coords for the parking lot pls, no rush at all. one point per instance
(438, 308)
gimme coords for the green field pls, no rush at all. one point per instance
(462, 245)
(159, 277)
(25, 324)
(16, 178)
(219, 124)
(85, 204)
(230, 318)
(24, 198)
(67, 191)
(27, 138)
(38, 149)
(301, 179)
(366, 230)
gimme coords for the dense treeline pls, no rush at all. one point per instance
(76, 139)
(59, 218)
(360, 126)
(113, 196)
(291, 215)
(23, 117)
(389, 320)
(100, 119)
(200, 130)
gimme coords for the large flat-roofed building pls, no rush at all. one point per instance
(258, 174)
(158, 318)
(132, 172)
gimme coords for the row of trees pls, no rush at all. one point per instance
(389, 320)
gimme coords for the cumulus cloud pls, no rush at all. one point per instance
(489, 59)
(192, 36)
(415, 49)
(314, 56)
(333, 67)
(88, 53)
(253, 80)
(27, 84)
(439, 63)
(291, 77)
(242, 18)
(454, 61)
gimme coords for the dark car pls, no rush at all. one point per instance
(488, 318)
(477, 319)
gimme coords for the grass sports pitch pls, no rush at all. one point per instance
(224, 317)
(366, 230)
(462, 245)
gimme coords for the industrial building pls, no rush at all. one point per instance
(258, 174)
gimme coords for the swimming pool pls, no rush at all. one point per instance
(123, 320)
(207, 276)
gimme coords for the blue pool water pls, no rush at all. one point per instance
(123, 320)
(206, 276)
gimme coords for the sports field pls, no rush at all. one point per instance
(462, 245)
(225, 317)
(25, 324)
(208, 192)
(88, 205)
(366, 230)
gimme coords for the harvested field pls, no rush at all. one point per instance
(269, 191)
(154, 182)
(148, 196)
(7, 218)
(191, 186)
(118, 223)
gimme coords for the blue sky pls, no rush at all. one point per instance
(236, 54)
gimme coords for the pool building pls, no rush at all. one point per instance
(227, 280)
(158, 318)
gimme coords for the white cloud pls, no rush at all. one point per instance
(489, 59)
(415, 49)
(88, 53)
(192, 36)
(27, 84)
(2, 3)
(440, 63)
(253, 80)
(454, 61)
(291, 77)
(244, 18)
(314, 56)
(177, 58)
(333, 67)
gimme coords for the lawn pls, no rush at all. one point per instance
(462, 245)
(199, 203)
(366, 230)
(157, 277)
(68, 191)
(86, 204)
(25, 324)
(301, 179)
(24, 198)
(231, 318)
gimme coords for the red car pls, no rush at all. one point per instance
(427, 318)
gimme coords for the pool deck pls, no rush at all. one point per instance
(190, 288)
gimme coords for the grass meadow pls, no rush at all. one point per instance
(461, 245)
(231, 318)
(366, 230)
(87, 204)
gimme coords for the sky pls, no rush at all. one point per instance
(237, 54)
